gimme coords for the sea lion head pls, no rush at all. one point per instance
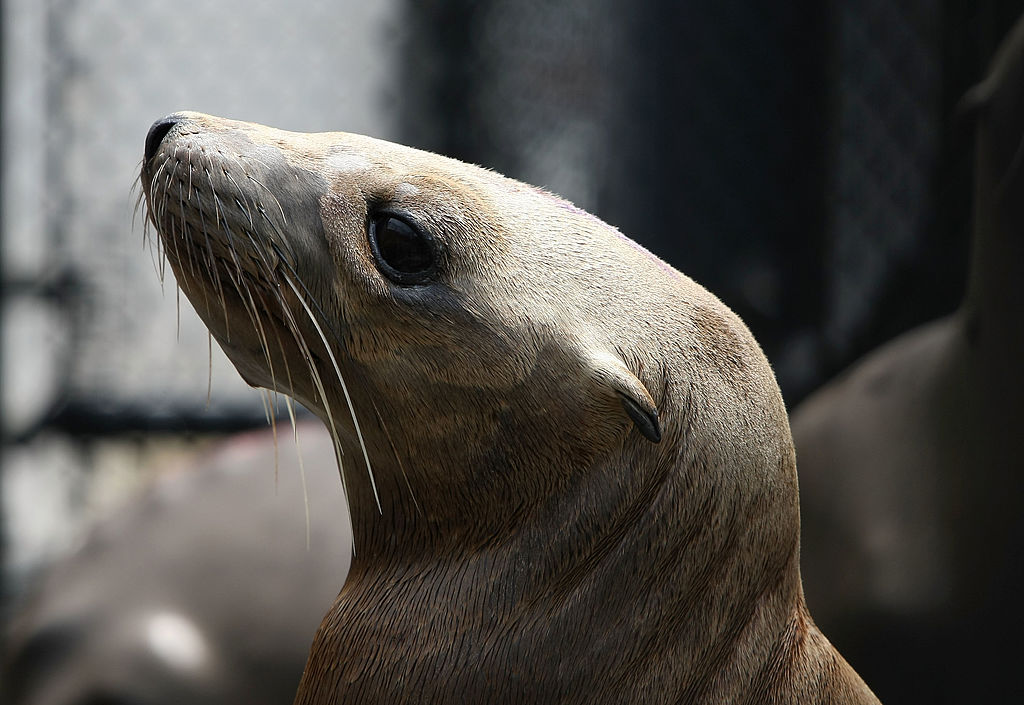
(476, 342)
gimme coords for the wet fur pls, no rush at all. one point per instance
(517, 539)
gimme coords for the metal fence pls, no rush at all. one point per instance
(797, 158)
(92, 352)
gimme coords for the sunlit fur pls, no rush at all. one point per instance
(517, 539)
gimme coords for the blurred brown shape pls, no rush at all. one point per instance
(201, 590)
(911, 463)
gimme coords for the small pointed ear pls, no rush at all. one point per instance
(636, 401)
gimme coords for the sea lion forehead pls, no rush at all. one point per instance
(381, 176)
(389, 171)
(338, 150)
(380, 170)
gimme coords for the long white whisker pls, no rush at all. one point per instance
(198, 222)
(318, 383)
(209, 367)
(302, 468)
(265, 188)
(394, 450)
(344, 387)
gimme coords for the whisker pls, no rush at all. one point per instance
(394, 450)
(316, 304)
(249, 303)
(344, 388)
(212, 264)
(238, 191)
(268, 411)
(300, 341)
(302, 466)
(209, 367)
(198, 209)
(265, 188)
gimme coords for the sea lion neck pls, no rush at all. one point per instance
(708, 590)
(667, 519)
(439, 496)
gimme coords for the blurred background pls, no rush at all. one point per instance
(803, 160)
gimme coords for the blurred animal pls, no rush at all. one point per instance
(912, 467)
(200, 590)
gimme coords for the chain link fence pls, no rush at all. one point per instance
(96, 352)
(785, 156)
(796, 158)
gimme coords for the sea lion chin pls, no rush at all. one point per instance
(569, 466)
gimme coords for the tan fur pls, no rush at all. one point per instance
(529, 545)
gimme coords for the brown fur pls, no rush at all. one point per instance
(529, 545)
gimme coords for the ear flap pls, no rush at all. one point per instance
(636, 400)
(646, 420)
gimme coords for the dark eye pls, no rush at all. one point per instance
(404, 253)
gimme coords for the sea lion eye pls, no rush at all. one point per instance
(404, 253)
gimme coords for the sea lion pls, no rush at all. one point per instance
(911, 466)
(198, 590)
(569, 466)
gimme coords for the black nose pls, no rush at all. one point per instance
(157, 133)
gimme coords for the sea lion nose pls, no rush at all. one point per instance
(157, 133)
